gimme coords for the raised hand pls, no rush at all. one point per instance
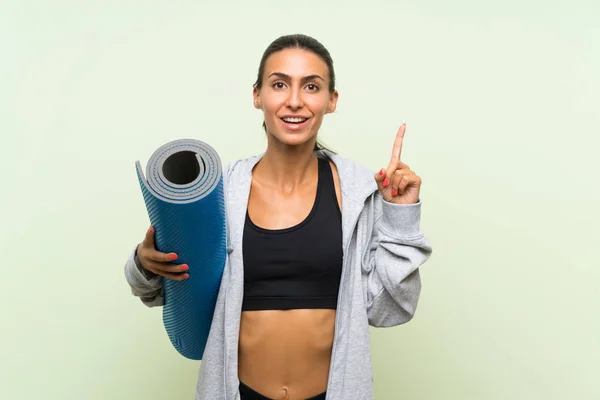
(398, 183)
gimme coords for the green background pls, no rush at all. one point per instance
(502, 106)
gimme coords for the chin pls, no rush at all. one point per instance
(293, 138)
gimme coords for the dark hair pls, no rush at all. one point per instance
(298, 41)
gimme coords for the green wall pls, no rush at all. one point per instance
(501, 102)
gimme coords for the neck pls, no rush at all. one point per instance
(286, 167)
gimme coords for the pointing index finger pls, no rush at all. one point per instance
(397, 151)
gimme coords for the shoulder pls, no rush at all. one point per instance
(350, 172)
(239, 168)
(346, 166)
(356, 181)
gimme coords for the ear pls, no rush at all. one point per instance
(332, 102)
(256, 96)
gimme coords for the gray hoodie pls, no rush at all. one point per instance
(380, 284)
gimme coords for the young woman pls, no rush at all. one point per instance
(320, 248)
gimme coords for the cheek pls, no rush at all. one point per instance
(271, 104)
(319, 105)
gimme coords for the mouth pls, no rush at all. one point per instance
(294, 123)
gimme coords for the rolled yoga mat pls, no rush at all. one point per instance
(184, 196)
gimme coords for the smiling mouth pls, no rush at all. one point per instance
(296, 121)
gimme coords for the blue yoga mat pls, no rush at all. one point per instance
(184, 196)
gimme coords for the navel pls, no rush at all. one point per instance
(285, 394)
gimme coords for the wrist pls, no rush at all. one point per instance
(402, 220)
(140, 266)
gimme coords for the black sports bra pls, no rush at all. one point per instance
(300, 266)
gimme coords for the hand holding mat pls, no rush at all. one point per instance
(184, 196)
(158, 263)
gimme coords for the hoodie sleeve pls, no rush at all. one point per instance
(390, 265)
(143, 285)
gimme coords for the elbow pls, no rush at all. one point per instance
(150, 298)
(155, 301)
(385, 311)
(407, 315)
(399, 317)
(396, 307)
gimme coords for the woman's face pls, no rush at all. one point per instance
(295, 95)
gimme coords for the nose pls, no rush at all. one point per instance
(294, 100)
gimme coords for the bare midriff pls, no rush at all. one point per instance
(285, 354)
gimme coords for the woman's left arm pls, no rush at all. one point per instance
(397, 247)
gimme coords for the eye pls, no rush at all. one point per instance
(312, 87)
(278, 85)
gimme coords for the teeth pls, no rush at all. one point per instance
(295, 120)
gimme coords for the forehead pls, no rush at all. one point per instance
(296, 63)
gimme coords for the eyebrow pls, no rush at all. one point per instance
(289, 78)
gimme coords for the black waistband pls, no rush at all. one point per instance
(247, 393)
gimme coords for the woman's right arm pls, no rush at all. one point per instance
(146, 267)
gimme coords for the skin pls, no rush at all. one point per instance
(285, 354)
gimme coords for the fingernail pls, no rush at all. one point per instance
(381, 171)
(184, 267)
(186, 276)
(150, 230)
(393, 192)
(173, 256)
(385, 182)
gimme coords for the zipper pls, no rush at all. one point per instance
(344, 270)
(228, 263)
(225, 323)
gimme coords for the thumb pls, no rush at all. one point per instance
(149, 238)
